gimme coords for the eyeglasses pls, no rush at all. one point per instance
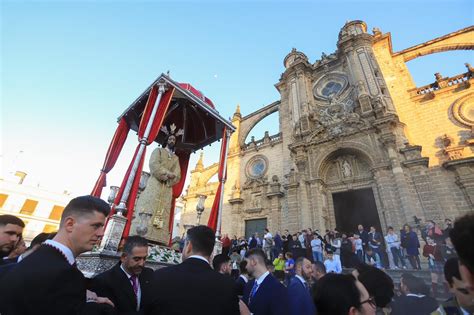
(371, 302)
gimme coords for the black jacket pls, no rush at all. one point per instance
(115, 285)
(45, 283)
(414, 305)
(192, 287)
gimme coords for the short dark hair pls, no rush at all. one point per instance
(299, 261)
(289, 254)
(335, 294)
(134, 241)
(203, 239)
(41, 238)
(85, 205)
(320, 267)
(414, 284)
(257, 253)
(462, 236)
(219, 260)
(378, 283)
(451, 270)
(11, 219)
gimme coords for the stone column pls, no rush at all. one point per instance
(464, 170)
(418, 170)
(237, 226)
(274, 204)
(408, 206)
(292, 223)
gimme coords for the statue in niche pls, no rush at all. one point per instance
(346, 169)
(155, 200)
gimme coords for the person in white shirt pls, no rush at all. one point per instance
(268, 244)
(301, 239)
(393, 244)
(332, 265)
(317, 248)
(359, 251)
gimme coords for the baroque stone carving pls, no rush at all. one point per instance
(463, 110)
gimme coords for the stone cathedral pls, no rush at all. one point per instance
(359, 142)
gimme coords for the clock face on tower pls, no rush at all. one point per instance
(257, 167)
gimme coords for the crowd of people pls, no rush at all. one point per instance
(279, 274)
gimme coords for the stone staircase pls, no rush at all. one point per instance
(424, 274)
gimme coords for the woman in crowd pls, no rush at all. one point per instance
(279, 264)
(433, 252)
(411, 245)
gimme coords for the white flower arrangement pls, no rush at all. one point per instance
(162, 254)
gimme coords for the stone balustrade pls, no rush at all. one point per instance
(441, 83)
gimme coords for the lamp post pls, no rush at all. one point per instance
(200, 207)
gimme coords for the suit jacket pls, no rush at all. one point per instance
(271, 297)
(115, 285)
(45, 283)
(193, 287)
(300, 301)
(240, 285)
(414, 305)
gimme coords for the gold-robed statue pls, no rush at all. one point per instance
(152, 211)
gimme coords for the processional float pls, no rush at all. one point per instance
(164, 103)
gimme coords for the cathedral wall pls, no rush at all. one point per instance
(428, 116)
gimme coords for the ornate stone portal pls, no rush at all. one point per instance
(352, 125)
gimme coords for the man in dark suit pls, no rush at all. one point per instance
(11, 229)
(192, 287)
(415, 299)
(264, 295)
(34, 245)
(300, 300)
(127, 284)
(47, 281)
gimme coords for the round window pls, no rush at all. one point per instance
(331, 88)
(257, 167)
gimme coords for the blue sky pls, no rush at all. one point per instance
(70, 68)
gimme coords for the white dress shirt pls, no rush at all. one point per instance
(199, 257)
(333, 265)
(260, 279)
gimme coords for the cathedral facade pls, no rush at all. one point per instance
(359, 142)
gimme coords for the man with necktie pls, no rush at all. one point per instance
(193, 287)
(264, 295)
(127, 284)
(299, 295)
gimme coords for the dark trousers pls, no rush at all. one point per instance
(397, 255)
(414, 261)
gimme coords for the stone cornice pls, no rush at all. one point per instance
(456, 163)
(418, 162)
(289, 186)
(273, 194)
(236, 201)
